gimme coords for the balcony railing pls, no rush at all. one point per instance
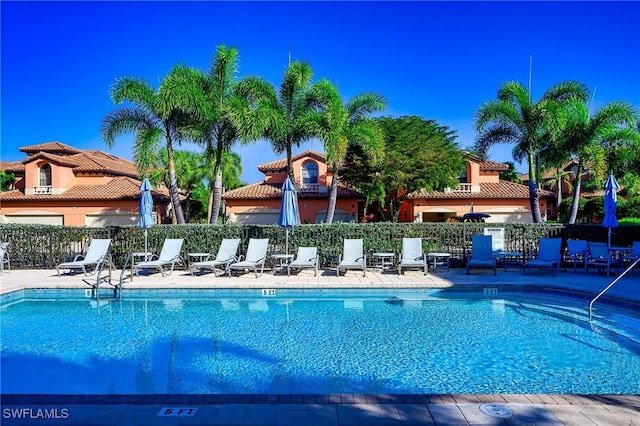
(308, 187)
(462, 187)
(42, 190)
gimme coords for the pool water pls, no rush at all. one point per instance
(318, 343)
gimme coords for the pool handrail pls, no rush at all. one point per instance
(611, 285)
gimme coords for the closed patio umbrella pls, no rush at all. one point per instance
(146, 208)
(610, 205)
(289, 210)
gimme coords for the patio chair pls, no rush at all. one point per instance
(227, 253)
(601, 258)
(4, 257)
(412, 255)
(577, 251)
(307, 257)
(549, 256)
(169, 255)
(96, 254)
(633, 255)
(256, 256)
(482, 255)
(352, 256)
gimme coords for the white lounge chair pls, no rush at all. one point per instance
(549, 256)
(256, 256)
(227, 254)
(352, 257)
(482, 255)
(601, 258)
(577, 251)
(412, 255)
(169, 255)
(96, 254)
(307, 257)
(4, 257)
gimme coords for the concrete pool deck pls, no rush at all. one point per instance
(344, 409)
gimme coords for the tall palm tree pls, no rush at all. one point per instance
(514, 118)
(340, 124)
(229, 114)
(154, 115)
(283, 117)
(587, 134)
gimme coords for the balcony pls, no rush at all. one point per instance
(462, 187)
(42, 190)
(308, 187)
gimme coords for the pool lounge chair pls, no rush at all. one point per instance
(412, 255)
(633, 255)
(4, 257)
(256, 256)
(577, 251)
(352, 256)
(601, 258)
(482, 255)
(307, 257)
(227, 254)
(169, 255)
(96, 254)
(549, 256)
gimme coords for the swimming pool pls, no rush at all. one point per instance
(310, 342)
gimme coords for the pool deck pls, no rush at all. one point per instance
(344, 409)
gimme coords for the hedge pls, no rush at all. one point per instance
(44, 246)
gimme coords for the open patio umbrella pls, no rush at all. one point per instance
(146, 208)
(289, 210)
(610, 205)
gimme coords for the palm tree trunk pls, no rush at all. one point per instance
(217, 198)
(573, 214)
(173, 184)
(534, 197)
(216, 194)
(333, 196)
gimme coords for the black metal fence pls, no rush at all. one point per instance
(42, 246)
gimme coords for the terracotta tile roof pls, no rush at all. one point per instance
(15, 167)
(90, 161)
(502, 189)
(485, 164)
(281, 164)
(492, 165)
(54, 147)
(118, 188)
(264, 191)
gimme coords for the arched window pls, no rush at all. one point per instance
(45, 175)
(309, 173)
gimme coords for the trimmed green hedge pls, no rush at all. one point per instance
(43, 246)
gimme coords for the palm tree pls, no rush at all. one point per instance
(514, 118)
(285, 117)
(340, 124)
(587, 135)
(155, 115)
(191, 170)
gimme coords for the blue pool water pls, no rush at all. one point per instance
(316, 342)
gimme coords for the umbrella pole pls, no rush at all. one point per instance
(286, 241)
(609, 235)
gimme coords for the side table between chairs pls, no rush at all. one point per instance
(438, 259)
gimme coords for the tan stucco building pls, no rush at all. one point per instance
(61, 185)
(480, 190)
(259, 203)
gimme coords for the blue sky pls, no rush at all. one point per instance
(437, 60)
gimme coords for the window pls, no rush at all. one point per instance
(45, 175)
(309, 173)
